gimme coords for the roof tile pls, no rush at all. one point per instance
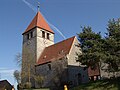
(39, 21)
(56, 51)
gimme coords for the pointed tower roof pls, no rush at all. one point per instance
(39, 21)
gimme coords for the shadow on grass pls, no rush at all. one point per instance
(108, 84)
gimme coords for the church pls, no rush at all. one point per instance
(55, 63)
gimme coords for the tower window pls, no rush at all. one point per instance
(49, 66)
(43, 34)
(31, 34)
(27, 36)
(48, 36)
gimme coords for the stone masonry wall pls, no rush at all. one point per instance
(77, 72)
(54, 73)
(106, 74)
(28, 55)
(43, 42)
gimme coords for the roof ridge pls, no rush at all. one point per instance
(72, 44)
(38, 18)
(38, 21)
(61, 41)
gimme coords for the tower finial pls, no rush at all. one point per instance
(38, 7)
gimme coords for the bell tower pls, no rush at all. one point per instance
(36, 37)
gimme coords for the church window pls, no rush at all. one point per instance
(28, 36)
(49, 66)
(84, 68)
(77, 60)
(43, 34)
(31, 34)
(48, 36)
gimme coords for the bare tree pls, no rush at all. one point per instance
(18, 59)
(27, 68)
(17, 76)
(39, 80)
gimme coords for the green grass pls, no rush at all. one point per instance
(112, 84)
(36, 89)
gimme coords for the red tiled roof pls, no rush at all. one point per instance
(39, 21)
(56, 51)
(93, 72)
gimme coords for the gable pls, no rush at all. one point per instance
(73, 54)
(4, 84)
(56, 51)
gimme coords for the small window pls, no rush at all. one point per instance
(43, 34)
(27, 36)
(48, 36)
(84, 68)
(49, 66)
(31, 34)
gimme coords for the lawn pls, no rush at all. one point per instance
(111, 84)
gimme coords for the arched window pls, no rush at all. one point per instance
(28, 36)
(31, 34)
(48, 36)
(49, 66)
(43, 34)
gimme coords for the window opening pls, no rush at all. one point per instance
(27, 36)
(49, 65)
(48, 36)
(43, 34)
(31, 34)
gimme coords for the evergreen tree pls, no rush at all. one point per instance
(90, 43)
(112, 45)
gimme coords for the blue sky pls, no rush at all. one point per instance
(67, 15)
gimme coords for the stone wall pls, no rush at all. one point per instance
(54, 73)
(43, 42)
(105, 73)
(64, 70)
(77, 72)
(33, 46)
(28, 55)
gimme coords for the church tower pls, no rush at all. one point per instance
(36, 37)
